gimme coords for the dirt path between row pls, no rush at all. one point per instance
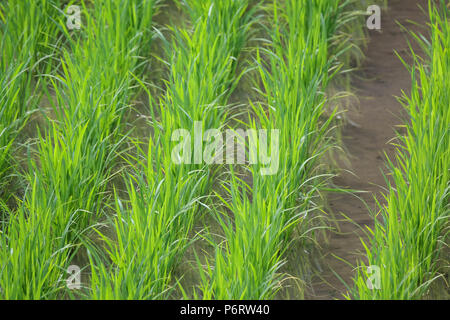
(377, 84)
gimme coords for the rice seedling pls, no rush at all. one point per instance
(210, 53)
(13, 96)
(294, 71)
(32, 256)
(22, 46)
(412, 227)
(152, 229)
(27, 37)
(75, 155)
(30, 31)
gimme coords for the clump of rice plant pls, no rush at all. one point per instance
(30, 31)
(411, 227)
(152, 228)
(294, 70)
(15, 97)
(76, 153)
(27, 37)
(32, 256)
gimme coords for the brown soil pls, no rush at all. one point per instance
(367, 139)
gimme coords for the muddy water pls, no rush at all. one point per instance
(377, 84)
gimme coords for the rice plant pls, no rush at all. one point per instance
(411, 228)
(28, 34)
(32, 256)
(13, 104)
(294, 70)
(152, 229)
(75, 155)
(30, 30)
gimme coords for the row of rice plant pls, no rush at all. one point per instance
(78, 152)
(152, 228)
(72, 165)
(294, 72)
(411, 227)
(27, 38)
